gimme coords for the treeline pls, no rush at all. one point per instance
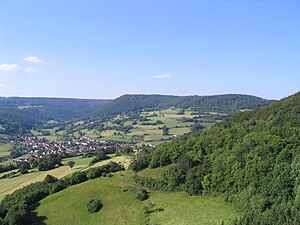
(19, 115)
(252, 159)
(15, 208)
(45, 163)
(218, 103)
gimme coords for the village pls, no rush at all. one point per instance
(27, 148)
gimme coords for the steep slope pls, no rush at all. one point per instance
(216, 103)
(251, 158)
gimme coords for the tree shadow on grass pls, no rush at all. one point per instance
(156, 210)
(33, 218)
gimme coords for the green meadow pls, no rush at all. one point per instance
(5, 149)
(122, 207)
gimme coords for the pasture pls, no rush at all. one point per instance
(122, 207)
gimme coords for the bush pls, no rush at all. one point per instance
(142, 194)
(50, 179)
(57, 186)
(94, 205)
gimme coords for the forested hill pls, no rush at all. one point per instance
(252, 159)
(24, 113)
(229, 103)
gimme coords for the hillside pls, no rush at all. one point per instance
(121, 205)
(252, 159)
(20, 114)
(216, 103)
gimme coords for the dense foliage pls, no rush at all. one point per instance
(19, 115)
(217, 103)
(15, 208)
(252, 159)
(94, 205)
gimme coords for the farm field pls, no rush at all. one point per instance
(5, 149)
(143, 129)
(9, 185)
(122, 207)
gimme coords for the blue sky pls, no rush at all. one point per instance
(103, 49)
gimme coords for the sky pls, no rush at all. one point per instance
(104, 49)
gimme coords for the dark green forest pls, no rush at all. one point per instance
(251, 159)
(18, 115)
(228, 104)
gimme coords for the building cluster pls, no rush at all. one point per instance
(38, 147)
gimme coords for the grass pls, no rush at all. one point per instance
(179, 131)
(91, 134)
(154, 173)
(109, 133)
(142, 134)
(49, 138)
(5, 149)
(119, 207)
(9, 185)
(122, 207)
(181, 209)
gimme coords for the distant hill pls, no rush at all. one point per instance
(18, 114)
(216, 103)
(252, 159)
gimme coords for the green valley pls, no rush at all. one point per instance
(217, 167)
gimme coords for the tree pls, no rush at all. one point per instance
(23, 167)
(94, 205)
(71, 164)
(142, 194)
(165, 130)
(50, 179)
(197, 127)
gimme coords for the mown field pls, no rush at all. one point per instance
(9, 185)
(122, 207)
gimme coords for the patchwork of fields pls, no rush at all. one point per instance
(146, 131)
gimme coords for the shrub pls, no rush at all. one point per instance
(50, 179)
(94, 205)
(57, 186)
(142, 194)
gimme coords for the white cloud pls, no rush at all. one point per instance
(33, 59)
(1, 85)
(9, 67)
(30, 70)
(163, 76)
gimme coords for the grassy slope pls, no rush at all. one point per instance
(123, 208)
(119, 207)
(179, 208)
